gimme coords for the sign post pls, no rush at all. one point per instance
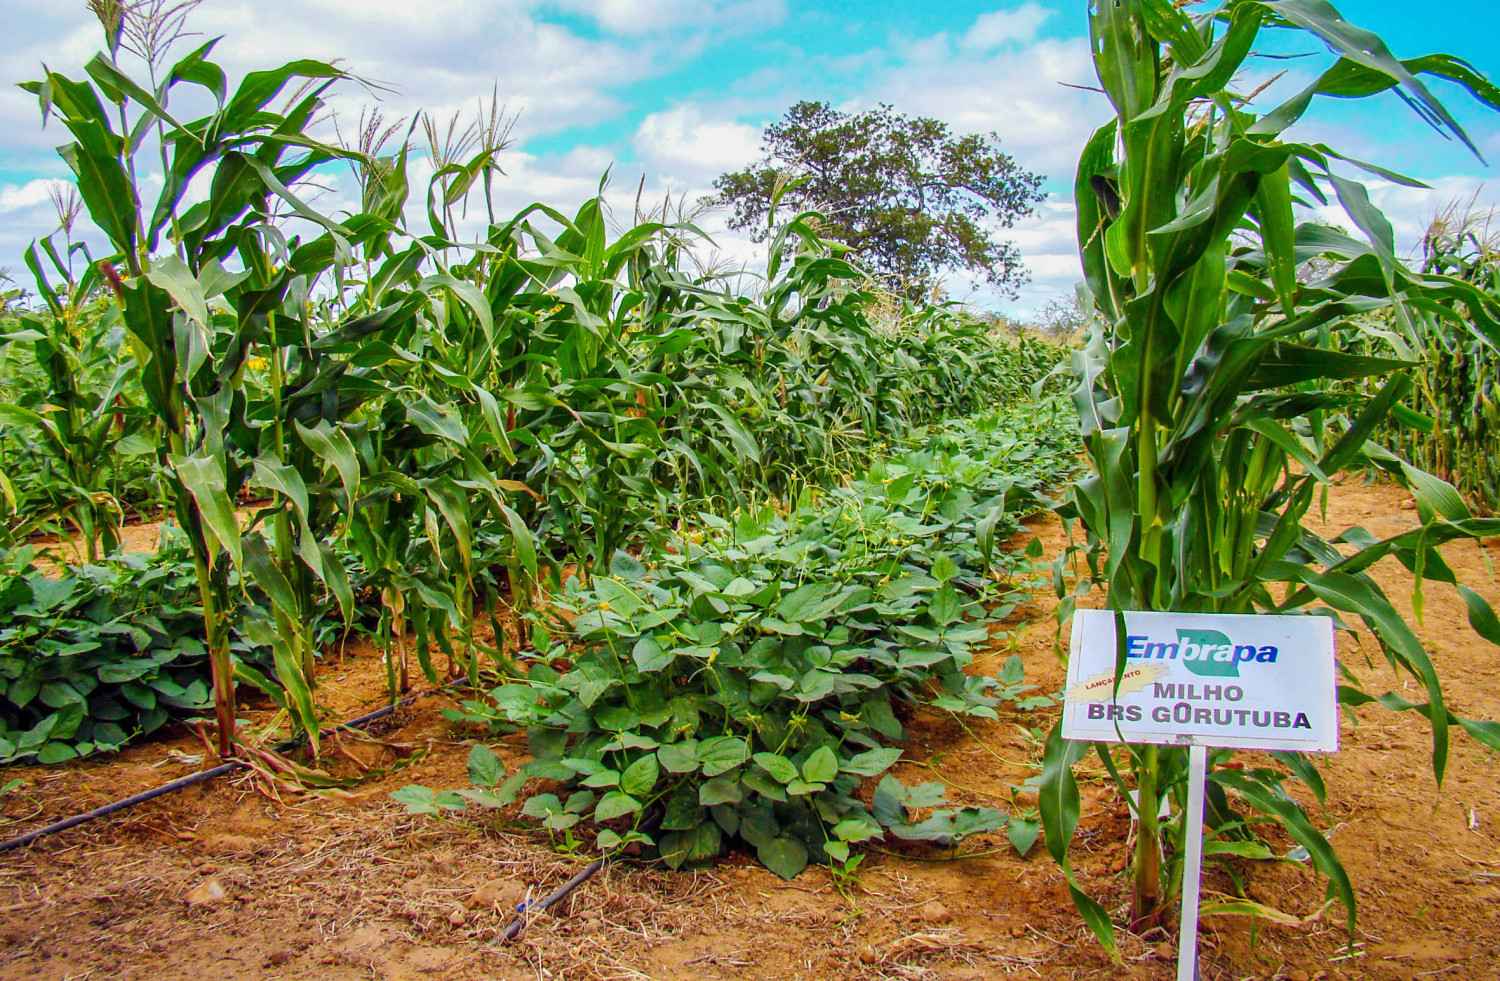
(1241, 681)
(1192, 867)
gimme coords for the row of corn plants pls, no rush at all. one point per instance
(71, 455)
(425, 424)
(1212, 403)
(1449, 424)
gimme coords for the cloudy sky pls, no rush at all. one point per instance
(678, 91)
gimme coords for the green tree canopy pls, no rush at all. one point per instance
(910, 198)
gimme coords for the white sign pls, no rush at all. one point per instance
(1245, 681)
(1199, 680)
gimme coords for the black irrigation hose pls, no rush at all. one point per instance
(514, 930)
(527, 909)
(202, 776)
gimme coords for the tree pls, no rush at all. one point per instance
(1063, 316)
(909, 198)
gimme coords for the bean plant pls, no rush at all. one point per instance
(100, 653)
(743, 685)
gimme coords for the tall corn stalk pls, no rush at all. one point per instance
(209, 289)
(81, 412)
(1454, 430)
(1208, 403)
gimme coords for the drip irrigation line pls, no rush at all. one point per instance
(192, 779)
(527, 911)
(530, 909)
(203, 776)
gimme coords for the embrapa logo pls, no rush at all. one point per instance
(1204, 652)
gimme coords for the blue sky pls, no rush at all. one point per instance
(677, 91)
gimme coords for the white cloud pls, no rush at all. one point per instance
(1048, 244)
(26, 195)
(28, 213)
(1021, 95)
(932, 49)
(63, 42)
(563, 185)
(683, 144)
(1017, 25)
(443, 61)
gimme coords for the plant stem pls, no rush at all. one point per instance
(1145, 900)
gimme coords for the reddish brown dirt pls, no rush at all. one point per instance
(347, 886)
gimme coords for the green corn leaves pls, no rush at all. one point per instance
(1216, 390)
(75, 427)
(436, 424)
(1448, 424)
(238, 368)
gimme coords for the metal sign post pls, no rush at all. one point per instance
(1202, 680)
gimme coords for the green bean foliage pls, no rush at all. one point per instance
(743, 685)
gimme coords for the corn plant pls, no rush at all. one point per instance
(190, 381)
(801, 385)
(77, 413)
(1210, 410)
(1453, 428)
(213, 292)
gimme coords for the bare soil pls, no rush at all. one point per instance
(243, 878)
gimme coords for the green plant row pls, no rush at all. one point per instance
(435, 420)
(73, 456)
(741, 686)
(1449, 425)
